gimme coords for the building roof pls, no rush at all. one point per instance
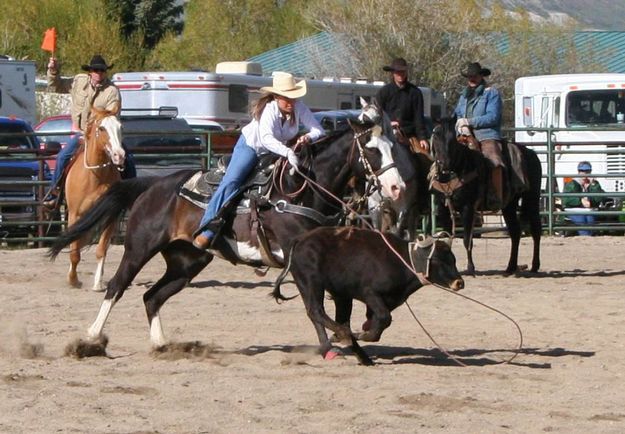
(606, 48)
(301, 58)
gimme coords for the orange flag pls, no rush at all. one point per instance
(49, 40)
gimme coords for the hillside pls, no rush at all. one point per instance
(595, 15)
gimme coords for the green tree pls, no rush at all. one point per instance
(230, 30)
(151, 20)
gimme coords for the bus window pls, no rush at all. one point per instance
(593, 107)
(544, 112)
(556, 112)
(527, 111)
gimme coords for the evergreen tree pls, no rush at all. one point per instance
(151, 19)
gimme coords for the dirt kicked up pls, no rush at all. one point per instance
(242, 363)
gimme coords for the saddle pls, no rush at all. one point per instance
(199, 188)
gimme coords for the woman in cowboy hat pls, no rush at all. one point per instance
(480, 109)
(93, 89)
(276, 118)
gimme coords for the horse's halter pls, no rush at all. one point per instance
(95, 126)
(371, 175)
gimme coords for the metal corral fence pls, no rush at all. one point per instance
(25, 179)
(23, 220)
(610, 216)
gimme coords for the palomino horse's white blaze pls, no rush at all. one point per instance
(95, 331)
(392, 183)
(114, 130)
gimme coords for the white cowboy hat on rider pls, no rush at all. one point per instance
(284, 85)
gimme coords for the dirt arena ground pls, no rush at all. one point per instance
(255, 369)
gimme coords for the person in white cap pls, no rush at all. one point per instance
(276, 119)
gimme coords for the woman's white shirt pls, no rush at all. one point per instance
(270, 132)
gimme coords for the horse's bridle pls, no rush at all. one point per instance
(97, 166)
(370, 174)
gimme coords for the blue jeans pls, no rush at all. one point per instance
(585, 220)
(64, 156)
(242, 163)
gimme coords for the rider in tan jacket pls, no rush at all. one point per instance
(93, 89)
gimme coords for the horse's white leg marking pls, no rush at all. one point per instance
(156, 332)
(96, 328)
(97, 280)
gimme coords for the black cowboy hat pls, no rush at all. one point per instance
(473, 69)
(397, 65)
(97, 64)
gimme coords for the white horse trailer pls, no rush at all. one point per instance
(17, 89)
(578, 102)
(224, 96)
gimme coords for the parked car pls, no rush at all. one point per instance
(146, 136)
(152, 139)
(18, 195)
(333, 120)
(61, 126)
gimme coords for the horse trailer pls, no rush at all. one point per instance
(587, 113)
(17, 89)
(223, 97)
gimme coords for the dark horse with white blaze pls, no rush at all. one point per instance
(401, 216)
(462, 175)
(160, 221)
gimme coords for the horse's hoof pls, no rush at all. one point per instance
(333, 353)
(99, 288)
(75, 284)
(91, 347)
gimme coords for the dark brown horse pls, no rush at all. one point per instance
(463, 174)
(160, 221)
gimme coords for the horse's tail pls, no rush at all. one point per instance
(530, 199)
(118, 198)
(276, 294)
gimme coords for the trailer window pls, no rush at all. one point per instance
(237, 98)
(594, 107)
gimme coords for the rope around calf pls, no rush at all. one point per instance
(418, 275)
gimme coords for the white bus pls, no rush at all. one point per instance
(578, 102)
(223, 97)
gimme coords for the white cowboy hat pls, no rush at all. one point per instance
(284, 84)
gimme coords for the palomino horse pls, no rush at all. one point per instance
(96, 168)
(160, 221)
(400, 216)
(462, 174)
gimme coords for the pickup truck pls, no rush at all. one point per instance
(18, 173)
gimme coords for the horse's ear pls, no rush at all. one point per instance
(363, 102)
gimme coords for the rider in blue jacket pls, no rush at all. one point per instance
(480, 109)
